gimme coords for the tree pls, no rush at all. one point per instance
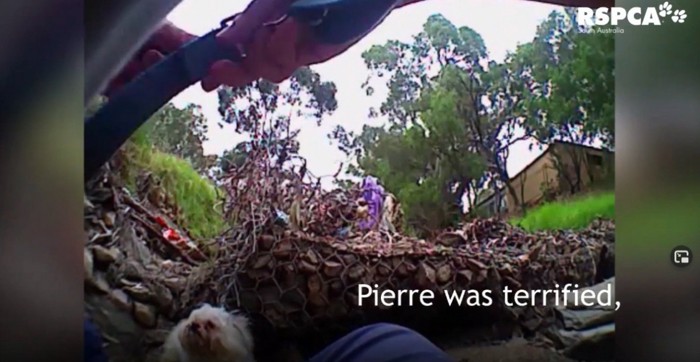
(181, 132)
(249, 106)
(263, 111)
(452, 114)
(234, 158)
(453, 106)
(568, 71)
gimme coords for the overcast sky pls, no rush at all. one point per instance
(503, 24)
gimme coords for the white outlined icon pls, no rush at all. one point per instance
(681, 256)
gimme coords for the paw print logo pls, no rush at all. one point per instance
(665, 9)
(679, 16)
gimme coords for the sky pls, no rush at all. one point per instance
(503, 24)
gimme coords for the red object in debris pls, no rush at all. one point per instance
(171, 235)
(161, 221)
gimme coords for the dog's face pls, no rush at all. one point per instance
(205, 331)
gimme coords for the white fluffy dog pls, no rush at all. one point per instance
(210, 334)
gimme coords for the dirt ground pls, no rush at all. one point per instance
(510, 352)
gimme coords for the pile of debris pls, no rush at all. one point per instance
(295, 255)
(298, 275)
(296, 279)
(261, 191)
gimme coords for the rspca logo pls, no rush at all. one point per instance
(636, 16)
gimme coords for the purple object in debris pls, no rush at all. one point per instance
(373, 193)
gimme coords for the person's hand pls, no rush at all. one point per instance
(274, 46)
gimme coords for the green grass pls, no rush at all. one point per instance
(195, 195)
(572, 214)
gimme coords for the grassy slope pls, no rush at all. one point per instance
(194, 195)
(572, 214)
(197, 198)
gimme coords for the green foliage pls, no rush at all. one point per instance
(194, 195)
(180, 132)
(569, 81)
(453, 114)
(427, 210)
(263, 111)
(572, 214)
(440, 140)
(569, 89)
(233, 158)
(250, 107)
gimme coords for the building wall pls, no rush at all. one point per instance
(528, 183)
(594, 166)
(543, 174)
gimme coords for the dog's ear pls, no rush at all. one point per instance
(239, 317)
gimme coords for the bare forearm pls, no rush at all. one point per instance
(169, 37)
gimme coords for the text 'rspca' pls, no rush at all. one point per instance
(636, 16)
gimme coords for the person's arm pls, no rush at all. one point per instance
(273, 52)
(570, 3)
(276, 52)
